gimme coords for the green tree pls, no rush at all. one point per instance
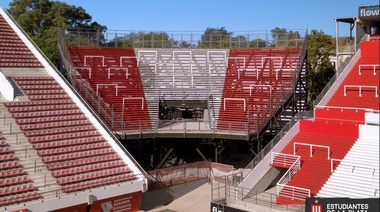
(215, 38)
(319, 67)
(283, 38)
(41, 19)
(144, 40)
(257, 43)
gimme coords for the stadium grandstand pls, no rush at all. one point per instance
(56, 154)
(65, 131)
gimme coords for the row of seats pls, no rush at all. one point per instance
(11, 172)
(54, 125)
(97, 182)
(59, 130)
(92, 175)
(16, 189)
(42, 108)
(87, 168)
(49, 96)
(50, 119)
(14, 180)
(47, 113)
(48, 138)
(83, 161)
(4, 150)
(44, 92)
(9, 165)
(65, 143)
(7, 157)
(18, 198)
(38, 103)
(77, 155)
(70, 149)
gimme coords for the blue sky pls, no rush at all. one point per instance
(234, 15)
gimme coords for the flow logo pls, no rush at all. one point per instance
(369, 11)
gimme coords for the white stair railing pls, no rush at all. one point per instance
(353, 166)
(311, 148)
(283, 159)
(283, 189)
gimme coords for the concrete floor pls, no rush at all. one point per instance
(197, 200)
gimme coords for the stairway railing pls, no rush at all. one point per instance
(291, 191)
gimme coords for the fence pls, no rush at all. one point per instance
(224, 189)
(184, 173)
(184, 39)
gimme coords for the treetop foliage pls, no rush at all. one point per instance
(320, 69)
(40, 19)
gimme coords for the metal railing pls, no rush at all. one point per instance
(334, 78)
(224, 189)
(292, 192)
(183, 39)
(353, 165)
(283, 159)
(297, 74)
(311, 148)
(268, 148)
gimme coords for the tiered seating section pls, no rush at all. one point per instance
(331, 138)
(113, 74)
(70, 146)
(359, 169)
(15, 185)
(13, 52)
(361, 87)
(257, 81)
(316, 143)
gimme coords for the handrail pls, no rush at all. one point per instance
(295, 191)
(75, 78)
(311, 148)
(267, 149)
(353, 166)
(360, 89)
(297, 74)
(287, 158)
(368, 65)
(282, 183)
(293, 169)
(349, 108)
(224, 188)
(260, 198)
